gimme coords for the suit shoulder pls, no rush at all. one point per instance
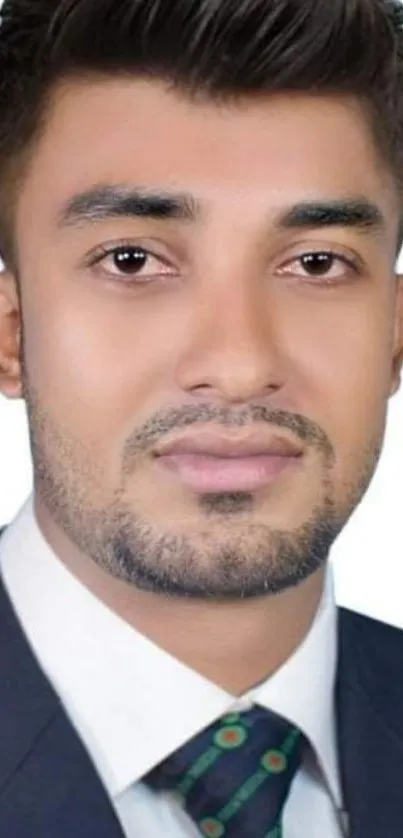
(369, 625)
(368, 629)
(372, 656)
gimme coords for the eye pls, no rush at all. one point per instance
(323, 264)
(133, 261)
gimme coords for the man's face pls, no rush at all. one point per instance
(228, 324)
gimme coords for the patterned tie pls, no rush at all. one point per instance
(233, 779)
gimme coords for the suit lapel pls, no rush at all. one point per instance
(48, 785)
(369, 697)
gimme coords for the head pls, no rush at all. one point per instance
(200, 215)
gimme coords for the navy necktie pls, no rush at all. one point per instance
(234, 777)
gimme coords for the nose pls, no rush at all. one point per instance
(235, 347)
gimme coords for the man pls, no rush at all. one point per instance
(200, 214)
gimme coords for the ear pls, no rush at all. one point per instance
(10, 337)
(397, 338)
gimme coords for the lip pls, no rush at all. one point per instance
(213, 444)
(204, 473)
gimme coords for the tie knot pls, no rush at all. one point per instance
(242, 757)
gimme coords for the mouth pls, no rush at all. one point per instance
(208, 473)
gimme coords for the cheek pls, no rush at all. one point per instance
(109, 360)
(346, 380)
(102, 359)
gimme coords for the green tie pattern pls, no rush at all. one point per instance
(233, 779)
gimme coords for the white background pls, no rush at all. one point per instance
(367, 557)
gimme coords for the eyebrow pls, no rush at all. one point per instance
(103, 203)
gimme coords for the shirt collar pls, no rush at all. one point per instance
(302, 690)
(131, 702)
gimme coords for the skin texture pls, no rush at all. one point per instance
(229, 330)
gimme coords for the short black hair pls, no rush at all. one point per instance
(216, 49)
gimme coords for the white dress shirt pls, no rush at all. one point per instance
(133, 704)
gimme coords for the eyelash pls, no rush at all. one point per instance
(104, 252)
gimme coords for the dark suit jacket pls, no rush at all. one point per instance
(49, 787)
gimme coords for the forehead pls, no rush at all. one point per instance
(261, 153)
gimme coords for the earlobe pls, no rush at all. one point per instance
(10, 338)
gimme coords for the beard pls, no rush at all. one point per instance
(228, 557)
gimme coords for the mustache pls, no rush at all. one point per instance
(157, 427)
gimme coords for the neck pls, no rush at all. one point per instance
(235, 645)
